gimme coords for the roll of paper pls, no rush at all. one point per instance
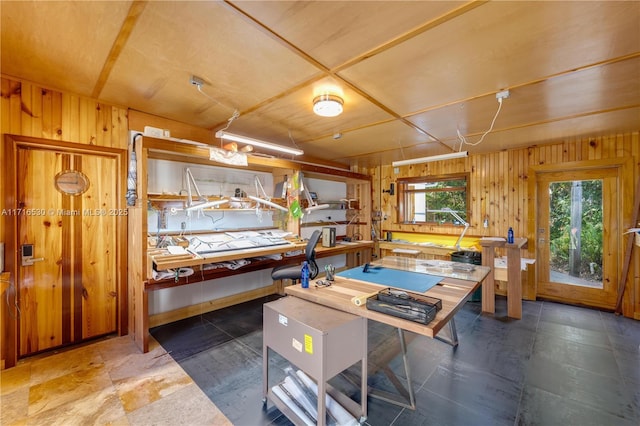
(361, 300)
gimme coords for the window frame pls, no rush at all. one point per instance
(403, 192)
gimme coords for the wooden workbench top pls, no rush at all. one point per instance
(453, 293)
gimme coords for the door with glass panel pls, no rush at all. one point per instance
(577, 229)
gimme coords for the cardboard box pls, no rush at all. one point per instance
(328, 237)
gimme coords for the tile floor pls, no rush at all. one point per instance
(109, 382)
(559, 365)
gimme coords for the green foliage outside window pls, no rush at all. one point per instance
(591, 233)
(426, 199)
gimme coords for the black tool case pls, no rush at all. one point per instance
(402, 304)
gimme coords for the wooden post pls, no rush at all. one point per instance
(488, 285)
(514, 277)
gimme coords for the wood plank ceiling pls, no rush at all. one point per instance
(413, 74)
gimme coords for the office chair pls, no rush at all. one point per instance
(293, 272)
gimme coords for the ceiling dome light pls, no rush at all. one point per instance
(328, 105)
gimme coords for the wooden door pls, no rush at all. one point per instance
(577, 231)
(68, 291)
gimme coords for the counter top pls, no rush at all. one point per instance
(163, 260)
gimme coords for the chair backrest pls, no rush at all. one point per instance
(310, 253)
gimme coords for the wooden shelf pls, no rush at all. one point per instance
(142, 258)
(332, 223)
(335, 205)
(162, 260)
(245, 204)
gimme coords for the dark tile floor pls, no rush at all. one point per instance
(559, 365)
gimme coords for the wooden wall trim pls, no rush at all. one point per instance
(210, 305)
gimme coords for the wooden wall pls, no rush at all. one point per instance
(499, 190)
(27, 109)
(499, 181)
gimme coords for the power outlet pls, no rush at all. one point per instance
(196, 81)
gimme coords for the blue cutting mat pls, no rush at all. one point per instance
(406, 280)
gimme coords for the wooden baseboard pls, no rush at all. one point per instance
(208, 306)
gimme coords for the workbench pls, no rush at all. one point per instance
(453, 289)
(356, 252)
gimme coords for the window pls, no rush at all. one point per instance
(434, 199)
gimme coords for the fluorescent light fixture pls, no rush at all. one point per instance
(205, 205)
(268, 203)
(255, 142)
(450, 156)
(327, 105)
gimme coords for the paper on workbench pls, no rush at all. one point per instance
(177, 250)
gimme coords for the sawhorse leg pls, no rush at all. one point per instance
(453, 334)
(407, 395)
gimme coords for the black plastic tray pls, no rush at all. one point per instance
(402, 304)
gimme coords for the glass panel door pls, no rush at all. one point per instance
(577, 227)
(576, 232)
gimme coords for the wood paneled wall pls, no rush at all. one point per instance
(499, 190)
(30, 110)
(27, 109)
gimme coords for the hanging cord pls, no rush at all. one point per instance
(213, 219)
(293, 141)
(199, 86)
(401, 149)
(231, 119)
(463, 140)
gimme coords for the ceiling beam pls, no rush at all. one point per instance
(467, 7)
(530, 82)
(334, 72)
(121, 40)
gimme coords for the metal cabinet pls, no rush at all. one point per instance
(320, 341)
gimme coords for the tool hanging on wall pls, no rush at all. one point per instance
(629, 250)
